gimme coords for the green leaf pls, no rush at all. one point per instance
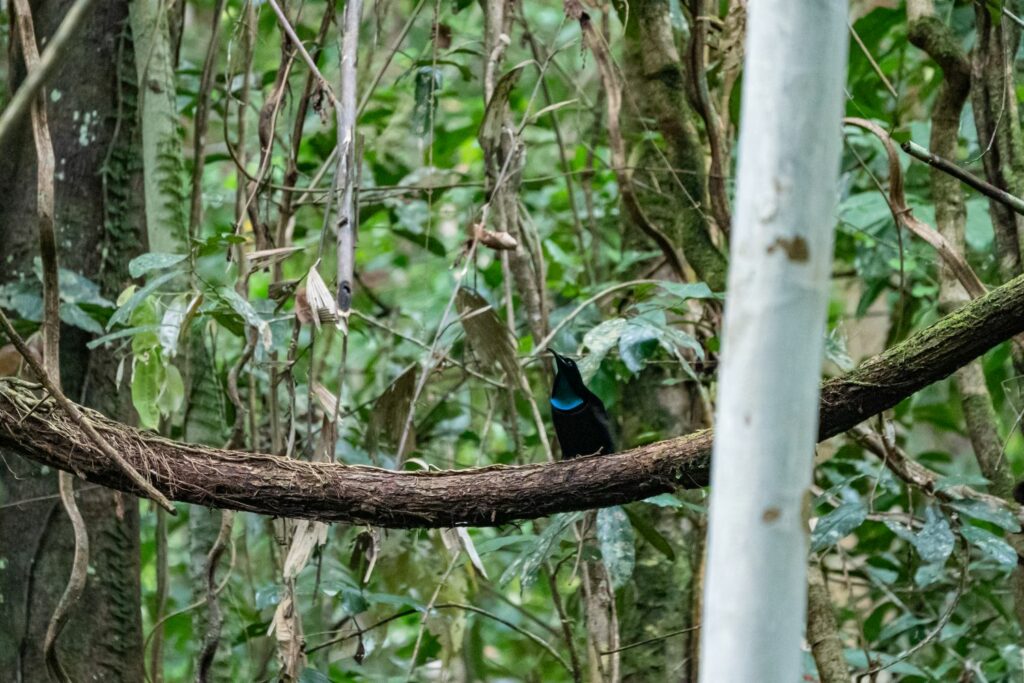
(309, 675)
(600, 340)
(689, 290)
(979, 509)
(172, 393)
(527, 564)
(617, 543)
(990, 545)
(24, 298)
(664, 500)
(73, 315)
(831, 528)
(126, 332)
(635, 345)
(75, 288)
(904, 622)
(650, 533)
(268, 596)
(927, 574)
(147, 378)
(124, 312)
(147, 263)
(243, 308)
(935, 541)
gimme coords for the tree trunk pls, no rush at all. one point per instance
(97, 217)
(773, 345)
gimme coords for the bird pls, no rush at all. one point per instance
(581, 421)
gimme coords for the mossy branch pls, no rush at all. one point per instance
(486, 496)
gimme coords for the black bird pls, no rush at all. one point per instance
(581, 421)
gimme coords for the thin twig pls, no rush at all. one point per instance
(903, 214)
(1016, 204)
(655, 639)
(310, 62)
(214, 618)
(201, 116)
(871, 60)
(449, 605)
(543, 345)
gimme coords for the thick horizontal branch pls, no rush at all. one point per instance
(485, 496)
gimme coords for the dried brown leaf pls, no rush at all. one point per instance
(487, 335)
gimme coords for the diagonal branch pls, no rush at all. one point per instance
(486, 496)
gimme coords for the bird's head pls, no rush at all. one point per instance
(568, 391)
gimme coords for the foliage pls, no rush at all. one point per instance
(920, 582)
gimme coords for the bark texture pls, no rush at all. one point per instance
(97, 222)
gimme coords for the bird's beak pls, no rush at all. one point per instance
(560, 360)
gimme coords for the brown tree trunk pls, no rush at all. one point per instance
(98, 222)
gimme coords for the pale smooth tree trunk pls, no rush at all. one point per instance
(756, 587)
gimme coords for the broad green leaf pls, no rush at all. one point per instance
(73, 315)
(126, 332)
(635, 345)
(617, 543)
(147, 378)
(75, 288)
(841, 521)
(979, 509)
(904, 622)
(146, 263)
(24, 298)
(664, 500)
(527, 564)
(935, 541)
(310, 675)
(650, 533)
(243, 308)
(172, 392)
(991, 545)
(689, 290)
(927, 574)
(122, 314)
(600, 340)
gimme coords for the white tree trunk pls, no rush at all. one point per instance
(756, 592)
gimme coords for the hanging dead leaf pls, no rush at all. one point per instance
(390, 412)
(286, 627)
(307, 537)
(487, 335)
(322, 303)
(498, 240)
(268, 257)
(457, 540)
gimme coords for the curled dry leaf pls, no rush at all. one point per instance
(487, 335)
(322, 303)
(457, 540)
(308, 535)
(499, 240)
(287, 630)
(268, 257)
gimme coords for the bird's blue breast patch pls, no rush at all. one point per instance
(574, 402)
